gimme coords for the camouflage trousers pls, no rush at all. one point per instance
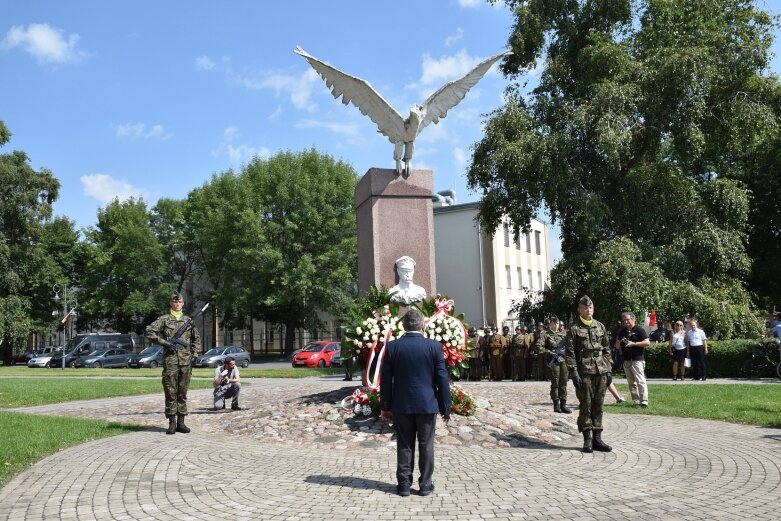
(558, 381)
(176, 381)
(591, 396)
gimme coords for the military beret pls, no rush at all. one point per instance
(176, 296)
(585, 300)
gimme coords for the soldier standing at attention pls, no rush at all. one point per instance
(519, 352)
(507, 355)
(548, 346)
(496, 345)
(588, 361)
(178, 354)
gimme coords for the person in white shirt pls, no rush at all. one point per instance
(696, 349)
(678, 350)
(226, 384)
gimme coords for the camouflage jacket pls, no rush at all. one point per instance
(587, 349)
(549, 341)
(165, 327)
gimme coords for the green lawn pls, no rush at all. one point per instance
(758, 404)
(28, 438)
(19, 392)
(286, 372)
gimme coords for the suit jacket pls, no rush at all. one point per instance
(413, 377)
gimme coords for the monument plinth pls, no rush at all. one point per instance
(395, 219)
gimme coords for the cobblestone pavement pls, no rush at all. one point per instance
(292, 455)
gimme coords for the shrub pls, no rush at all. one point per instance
(725, 358)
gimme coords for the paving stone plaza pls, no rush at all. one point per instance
(292, 455)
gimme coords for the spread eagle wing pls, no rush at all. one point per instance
(450, 94)
(361, 94)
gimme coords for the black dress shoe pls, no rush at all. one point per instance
(237, 408)
(402, 490)
(425, 491)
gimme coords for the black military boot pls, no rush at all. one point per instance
(600, 445)
(587, 442)
(171, 424)
(564, 407)
(180, 426)
(556, 407)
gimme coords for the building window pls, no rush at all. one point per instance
(529, 242)
(537, 241)
(531, 282)
(509, 278)
(520, 278)
(539, 279)
(506, 236)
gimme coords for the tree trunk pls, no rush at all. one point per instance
(8, 353)
(290, 336)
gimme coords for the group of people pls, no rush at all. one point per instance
(415, 386)
(181, 343)
(504, 356)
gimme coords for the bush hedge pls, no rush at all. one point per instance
(725, 358)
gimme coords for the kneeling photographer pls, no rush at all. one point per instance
(226, 384)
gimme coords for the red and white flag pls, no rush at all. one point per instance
(69, 316)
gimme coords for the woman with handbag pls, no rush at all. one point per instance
(678, 350)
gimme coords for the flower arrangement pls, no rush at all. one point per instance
(364, 401)
(378, 322)
(449, 330)
(461, 402)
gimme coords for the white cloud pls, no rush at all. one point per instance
(204, 63)
(469, 3)
(350, 130)
(274, 115)
(298, 88)
(238, 153)
(105, 188)
(139, 131)
(460, 156)
(453, 38)
(44, 42)
(446, 68)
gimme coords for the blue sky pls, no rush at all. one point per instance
(151, 98)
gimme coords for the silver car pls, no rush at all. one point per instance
(107, 358)
(215, 356)
(43, 359)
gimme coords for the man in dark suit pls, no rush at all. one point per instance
(414, 387)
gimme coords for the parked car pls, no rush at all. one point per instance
(317, 354)
(23, 358)
(107, 358)
(43, 359)
(81, 345)
(215, 357)
(152, 357)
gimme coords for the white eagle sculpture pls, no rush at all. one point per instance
(401, 132)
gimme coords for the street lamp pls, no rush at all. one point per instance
(65, 313)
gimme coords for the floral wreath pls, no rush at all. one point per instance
(377, 322)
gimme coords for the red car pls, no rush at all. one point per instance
(317, 354)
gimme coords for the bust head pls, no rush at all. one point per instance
(406, 291)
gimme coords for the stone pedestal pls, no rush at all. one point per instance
(395, 218)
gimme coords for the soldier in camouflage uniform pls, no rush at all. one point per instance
(177, 360)
(548, 346)
(588, 361)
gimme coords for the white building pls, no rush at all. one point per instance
(485, 274)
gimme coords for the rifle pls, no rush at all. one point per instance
(557, 355)
(176, 339)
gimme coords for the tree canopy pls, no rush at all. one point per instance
(278, 239)
(641, 141)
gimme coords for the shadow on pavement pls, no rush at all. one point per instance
(353, 482)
